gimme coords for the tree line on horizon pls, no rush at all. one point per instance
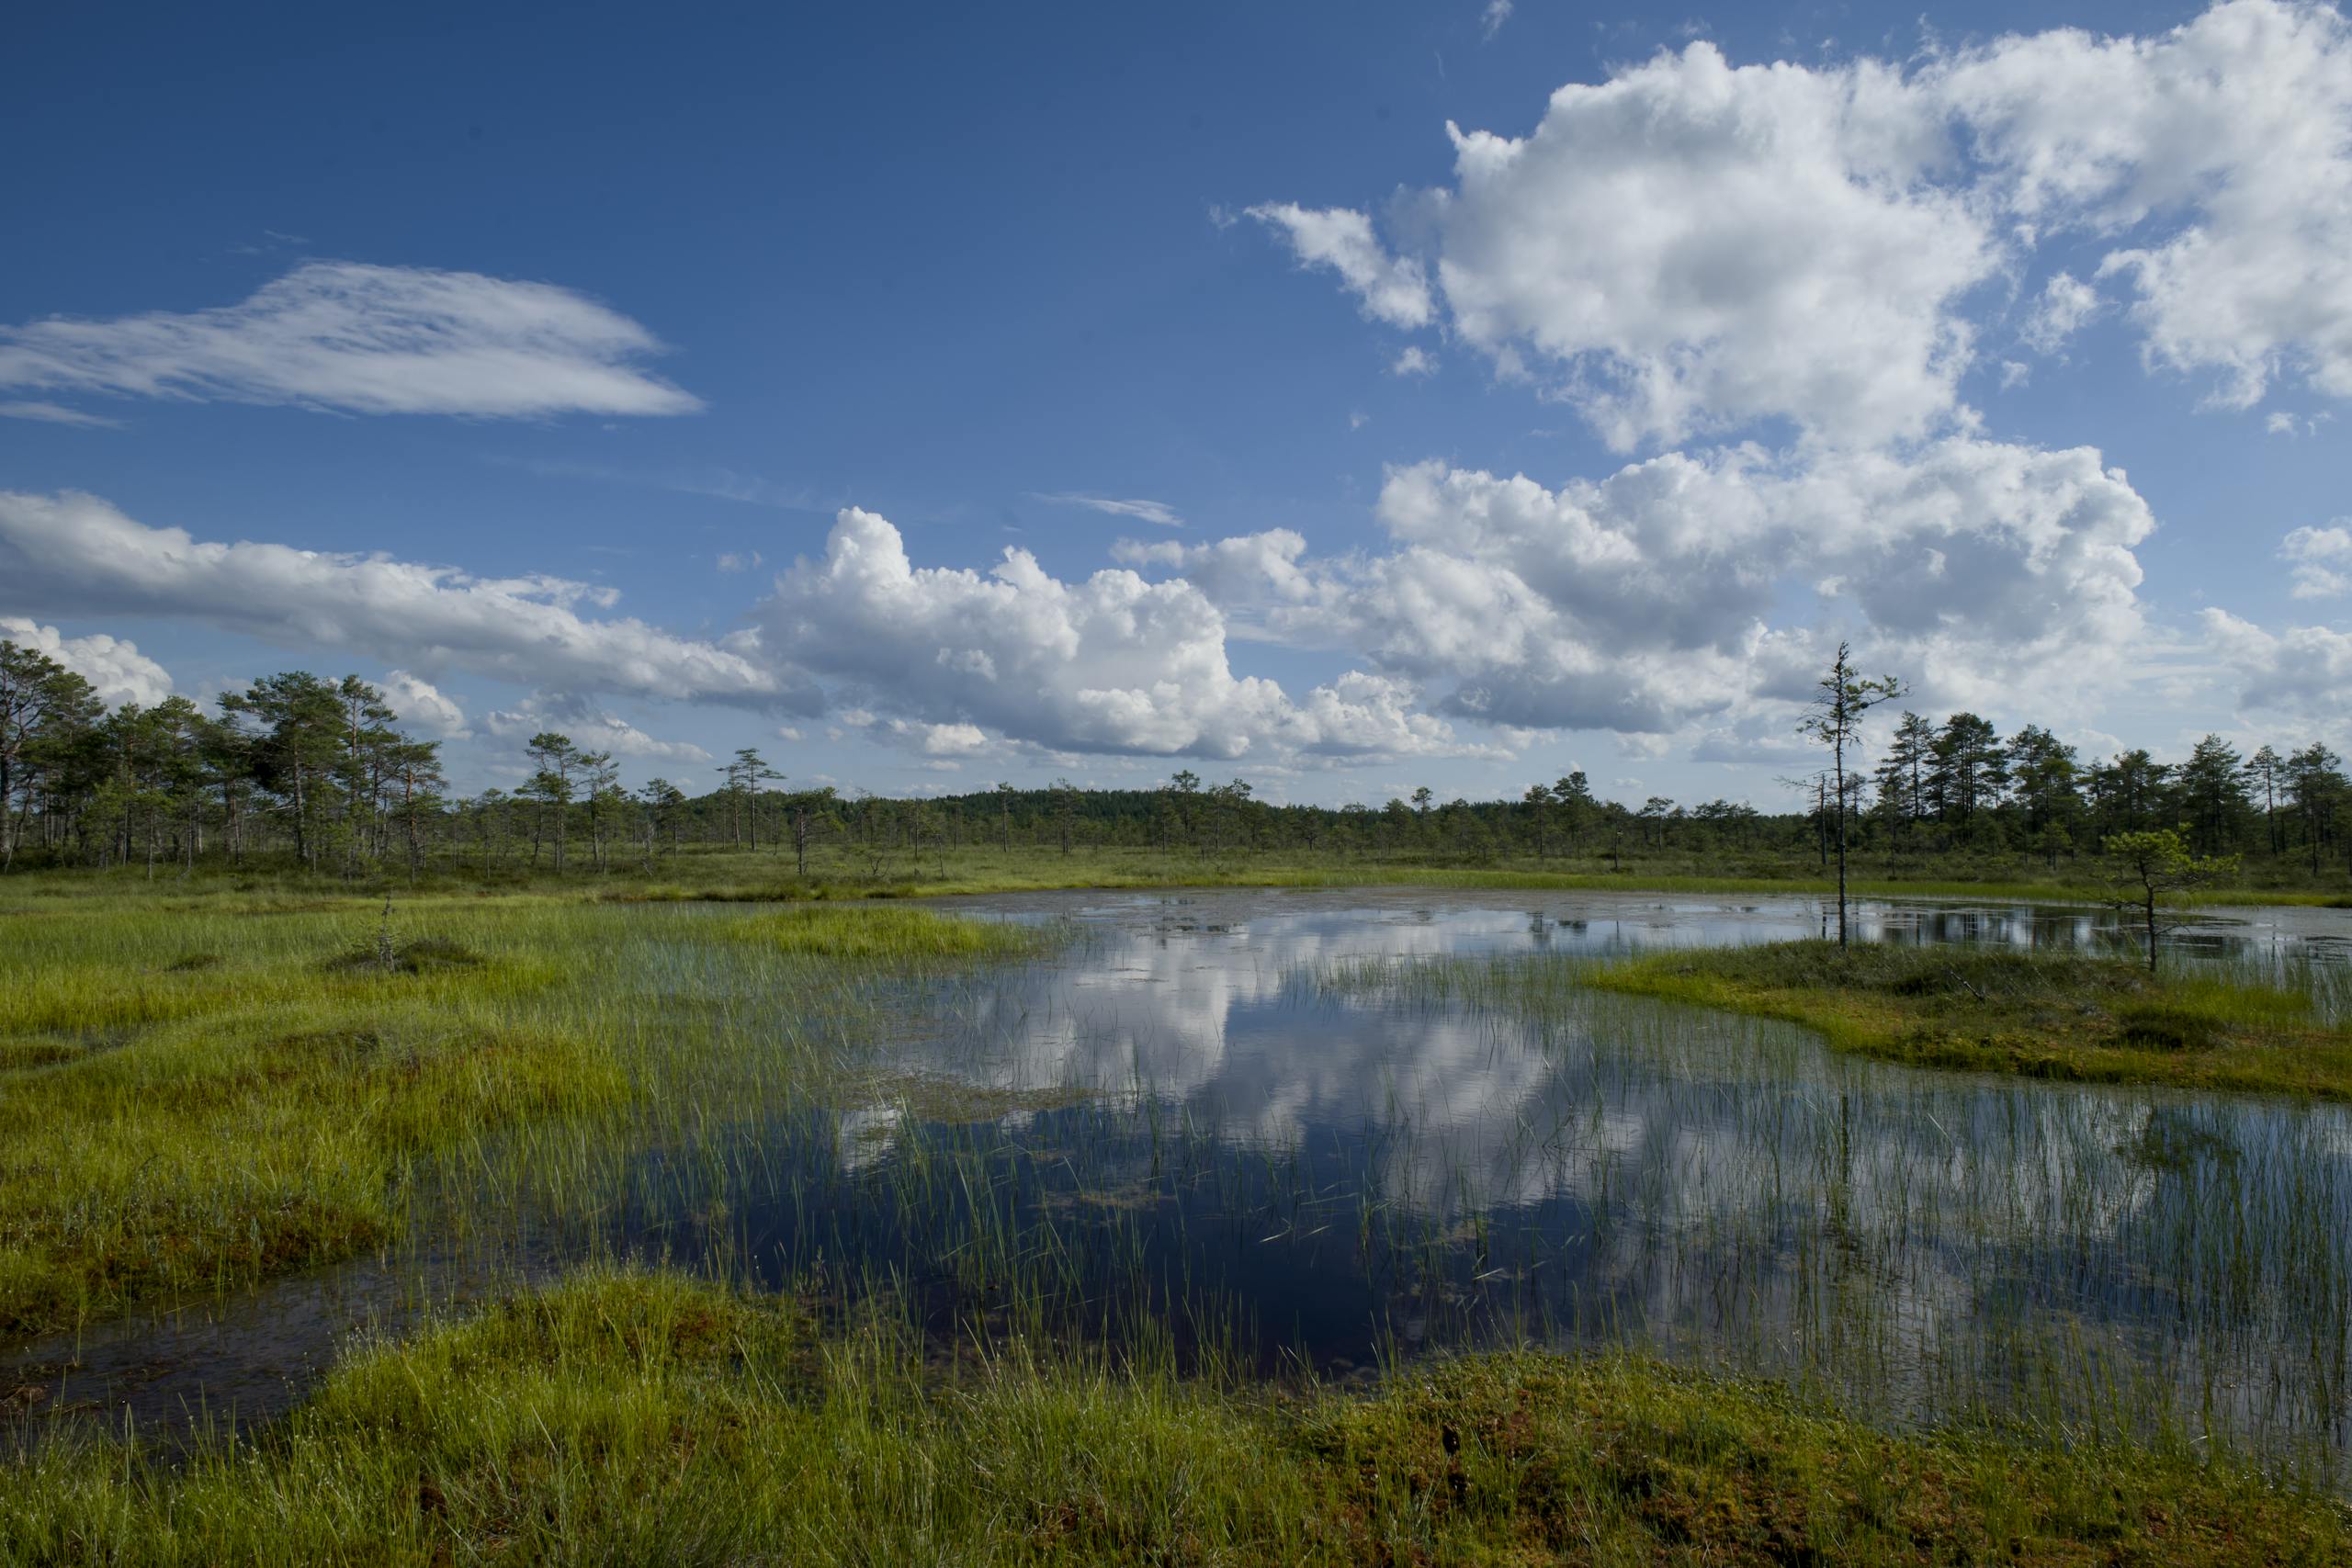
(318, 771)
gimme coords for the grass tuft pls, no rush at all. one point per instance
(172, 1125)
(2057, 1015)
(167, 1128)
(886, 933)
(221, 1155)
(420, 956)
(636, 1417)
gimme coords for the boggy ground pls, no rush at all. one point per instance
(199, 1094)
(977, 869)
(208, 1085)
(836, 870)
(2052, 1015)
(630, 1417)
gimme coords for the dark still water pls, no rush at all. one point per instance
(1179, 1132)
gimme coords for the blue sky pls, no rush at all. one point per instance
(554, 340)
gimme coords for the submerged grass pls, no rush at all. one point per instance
(2052, 1015)
(197, 1091)
(196, 1099)
(639, 1417)
(211, 1156)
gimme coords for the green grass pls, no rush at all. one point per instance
(724, 878)
(2042, 1015)
(206, 1085)
(630, 1417)
(199, 1094)
(199, 1161)
(864, 934)
(720, 875)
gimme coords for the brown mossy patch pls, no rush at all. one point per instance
(22, 1052)
(419, 956)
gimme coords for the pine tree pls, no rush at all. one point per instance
(553, 787)
(1841, 701)
(2211, 786)
(1967, 770)
(2042, 779)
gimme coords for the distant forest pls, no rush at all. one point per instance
(305, 770)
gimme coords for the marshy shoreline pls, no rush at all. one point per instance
(209, 1089)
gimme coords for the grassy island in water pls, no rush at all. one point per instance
(205, 1086)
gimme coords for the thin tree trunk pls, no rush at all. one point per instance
(1837, 755)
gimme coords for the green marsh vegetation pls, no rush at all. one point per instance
(822, 1116)
(2240, 1026)
(740, 876)
(194, 1100)
(2055, 1015)
(639, 1416)
(200, 1092)
(1957, 1241)
(885, 933)
(722, 874)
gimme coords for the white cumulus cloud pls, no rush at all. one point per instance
(425, 706)
(2065, 304)
(590, 727)
(1237, 572)
(2303, 672)
(953, 739)
(1655, 597)
(1393, 289)
(2321, 558)
(1110, 664)
(1695, 246)
(2220, 147)
(115, 670)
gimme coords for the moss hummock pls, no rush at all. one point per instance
(2042, 1015)
(627, 1416)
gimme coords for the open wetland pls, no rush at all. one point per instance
(1276, 1156)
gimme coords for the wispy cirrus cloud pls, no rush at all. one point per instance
(360, 339)
(1157, 512)
(717, 483)
(55, 413)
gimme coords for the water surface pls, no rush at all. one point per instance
(1172, 1130)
